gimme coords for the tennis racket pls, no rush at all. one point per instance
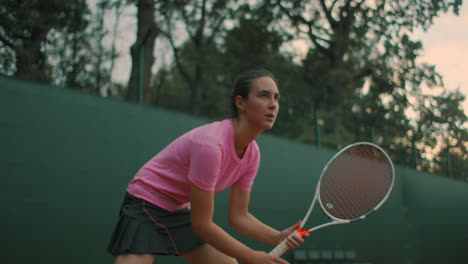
(355, 183)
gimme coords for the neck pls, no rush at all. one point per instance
(243, 135)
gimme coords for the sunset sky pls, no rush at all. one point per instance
(445, 45)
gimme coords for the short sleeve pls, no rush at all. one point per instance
(205, 165)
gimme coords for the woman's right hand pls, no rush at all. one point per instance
(261, 257)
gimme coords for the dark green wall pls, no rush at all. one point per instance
(66, 158)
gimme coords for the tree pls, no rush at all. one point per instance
(69, 52)
(442, 133)
(7, 60)
(356, 40)
(203, 23)
(171, 90)
(25, 27)
(345, 30)
(348, 30)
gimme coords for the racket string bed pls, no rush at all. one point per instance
(355, 184)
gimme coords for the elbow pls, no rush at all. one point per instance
(234, 221)
(198, 228)
(201, 227)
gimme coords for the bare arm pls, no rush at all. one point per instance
(249, 225)
(202, 223)
(246, 223)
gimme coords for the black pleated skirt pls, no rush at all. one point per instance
(144, 228)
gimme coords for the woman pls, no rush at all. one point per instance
(169, 205)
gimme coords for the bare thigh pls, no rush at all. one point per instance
(134, 259)
(207, 254)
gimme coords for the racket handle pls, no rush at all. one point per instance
(281, 248)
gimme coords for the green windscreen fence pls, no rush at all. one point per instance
(66, 158)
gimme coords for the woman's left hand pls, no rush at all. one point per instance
(293, 241)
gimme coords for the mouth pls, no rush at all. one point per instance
(270, 116)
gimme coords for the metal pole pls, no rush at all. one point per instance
(141, 74)
(415, 154)
(449, 162)
(317, 127)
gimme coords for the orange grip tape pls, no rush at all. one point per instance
(302, 233)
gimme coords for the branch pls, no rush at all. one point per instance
(201, 27)
(358, 6)
(314, 38)
(346, 8)
(367, 71)
(7, 42)
(216, 29)
(328, 13)
(333, 5)
(178, 62)
(217, 25)
(187, 22)
(383, 84)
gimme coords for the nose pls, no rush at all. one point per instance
(273, 103)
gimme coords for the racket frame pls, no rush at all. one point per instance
(281, 248)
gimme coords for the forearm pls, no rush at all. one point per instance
(222, 241)
(250, 226)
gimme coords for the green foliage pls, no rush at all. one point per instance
(353, 41)
(442, 130)
(174, 93)
(54, 41)
(7, 60)
(25, 27)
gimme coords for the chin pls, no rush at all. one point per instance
(263, 125)
(269, 126)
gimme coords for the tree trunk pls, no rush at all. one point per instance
(30, 61)
(146, 35)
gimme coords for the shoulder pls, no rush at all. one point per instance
(255, 146)
(254, 149)
(212, 133)
(209, 129)
(253, 157)
(209, 137)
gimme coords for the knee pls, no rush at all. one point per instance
(229, 260)
(134, 258)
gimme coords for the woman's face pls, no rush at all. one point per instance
(262, 106)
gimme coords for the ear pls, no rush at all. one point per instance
(240, 103)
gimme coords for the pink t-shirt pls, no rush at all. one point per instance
(205, 157)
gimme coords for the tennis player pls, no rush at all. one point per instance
(169, 204)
